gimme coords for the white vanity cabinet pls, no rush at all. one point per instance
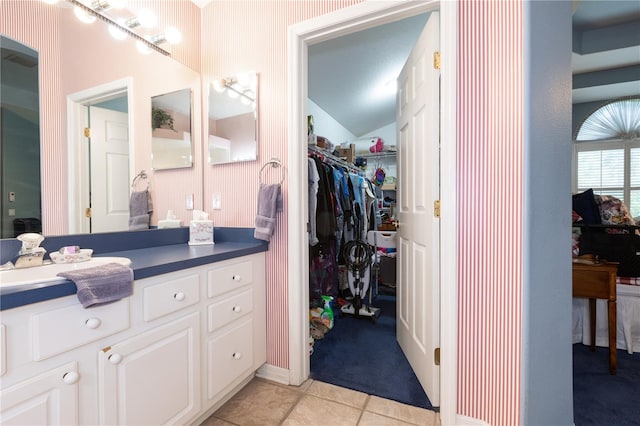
(49, 398)
(171, 353)
(236, 318)
(152, 378)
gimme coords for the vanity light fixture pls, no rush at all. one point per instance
(235, 89)
(120, 29)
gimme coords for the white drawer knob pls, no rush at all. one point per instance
(237, 278)
(179, 296)
(93, 323)
(115, 359)
(237, 355)
(71, 377)
(237, 309)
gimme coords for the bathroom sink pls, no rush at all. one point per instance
(46, 274)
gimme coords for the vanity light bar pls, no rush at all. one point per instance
(124, 29)
(231, 84)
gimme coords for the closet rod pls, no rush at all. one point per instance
(326, 155)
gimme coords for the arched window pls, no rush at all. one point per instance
(607, 152)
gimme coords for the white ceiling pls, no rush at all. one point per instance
(346, 74)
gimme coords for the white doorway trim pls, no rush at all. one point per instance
(77, 151)
(326, 27)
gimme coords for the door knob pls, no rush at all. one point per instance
(115, 358)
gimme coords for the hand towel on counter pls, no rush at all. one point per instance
(269, 203)
(140, 209)
(101, 284)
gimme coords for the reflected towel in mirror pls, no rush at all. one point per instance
(269, 203)
(140, 209)
(101, 284)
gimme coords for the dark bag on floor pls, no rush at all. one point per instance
(621, 248)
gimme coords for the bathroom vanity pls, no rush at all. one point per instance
(191, 335)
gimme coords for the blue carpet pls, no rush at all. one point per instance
(600, 398)
(365, 356)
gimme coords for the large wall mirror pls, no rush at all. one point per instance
(171, 140)
(233, 118)
(19, 139)
(69, 93)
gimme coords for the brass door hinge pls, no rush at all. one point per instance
(87, 212)
(436, 356)
(87, 132)
(436, 208)
(436, 60)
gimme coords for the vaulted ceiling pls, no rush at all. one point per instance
(345, 72)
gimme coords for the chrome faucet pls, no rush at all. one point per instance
(31, 254)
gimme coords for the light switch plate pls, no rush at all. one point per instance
(216, 203)
(189, 201)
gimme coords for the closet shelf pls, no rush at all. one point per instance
(389, 187)
(384, 154)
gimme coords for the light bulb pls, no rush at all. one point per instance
(116, 32)
(232, 94)
(83, 15)
(147, 18)
(172, 35)
(218, 85)
(142, 47)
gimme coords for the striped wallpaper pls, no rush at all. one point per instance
(490, 207)
(240, 36)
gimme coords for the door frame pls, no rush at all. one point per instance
(342, 22)
(77, 150)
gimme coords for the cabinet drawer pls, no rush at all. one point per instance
(62, 329)
(171, 296)
(226, 278)
(230, 355)
(229, 309)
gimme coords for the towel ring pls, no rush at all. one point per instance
(140, 176)
(274, 162)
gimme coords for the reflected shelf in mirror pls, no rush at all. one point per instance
(171, 141)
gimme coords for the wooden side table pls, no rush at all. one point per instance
(595, 279)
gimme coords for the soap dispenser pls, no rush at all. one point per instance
(31, 254)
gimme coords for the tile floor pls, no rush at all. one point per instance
(264, 403)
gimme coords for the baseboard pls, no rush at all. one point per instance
(469, 421)
(273, 373)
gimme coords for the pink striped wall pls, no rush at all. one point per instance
(240, 36)
(490, 140)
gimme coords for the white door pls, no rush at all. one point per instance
(109, 174)
(418, 293)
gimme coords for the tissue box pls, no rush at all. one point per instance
(201, 232)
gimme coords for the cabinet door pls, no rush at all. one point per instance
(50, 398)
(153, 378)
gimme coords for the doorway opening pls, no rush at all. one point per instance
(346, 21)
(106, 185)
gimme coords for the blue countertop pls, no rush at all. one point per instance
(152, 254)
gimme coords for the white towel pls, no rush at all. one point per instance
(269, 203)
(101, 284)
